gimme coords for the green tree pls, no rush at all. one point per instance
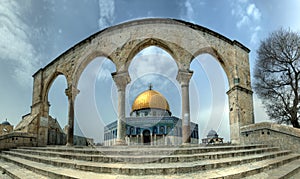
(277, 74)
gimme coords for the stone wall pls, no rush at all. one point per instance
(156, 140)
(17, 139)
(5, 129)
(285, 137)
(59, 138)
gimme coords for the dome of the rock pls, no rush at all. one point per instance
(150, 99)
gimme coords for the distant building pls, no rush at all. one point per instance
(212, 138)
(151, 123)
(6, 127)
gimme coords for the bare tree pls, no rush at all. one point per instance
(277, 74)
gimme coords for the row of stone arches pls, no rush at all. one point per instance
(122, 42)
(205, 120)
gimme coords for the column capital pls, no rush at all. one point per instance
(183, 77)
(121, 80)
(239, 88)
(71, 91)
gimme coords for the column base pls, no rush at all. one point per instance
(120, 142)
(235, 141)
(69, 145)
(185, 144)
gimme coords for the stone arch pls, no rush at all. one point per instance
(183, 40)
(52, 78)
(214, 53)
(95, 96)
(80, 67)
(140, 46)
(208, 68)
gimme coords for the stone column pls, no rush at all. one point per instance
(129, 143)
(240, 111)
(42, 124)
(121, 81)
(183, 77)
(142, 139)
(71, 92)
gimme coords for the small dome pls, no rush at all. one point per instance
(150, 99)
(212, 134)
(5, 123)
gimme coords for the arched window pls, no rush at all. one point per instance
(175, 131)
(168, 129)
(154, 129)
(180, 131)
(154, 113)
(162, 130)
(131, 130)
(128, 130)
(138, 131)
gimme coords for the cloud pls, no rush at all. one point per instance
(253, 12)
(106, 13)
(254, 37)
(106, 67)
(243, 21)
(260, 112)
(153, 60)
(189, 9)
(243, 1)
(245, 13)
(15, 46)
(248, 16)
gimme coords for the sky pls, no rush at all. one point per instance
(35, 32)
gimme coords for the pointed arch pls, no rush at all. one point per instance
(140, 46)
(49, 82)
(217, 56)
(82, 65)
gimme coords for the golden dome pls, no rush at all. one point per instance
(150, 99)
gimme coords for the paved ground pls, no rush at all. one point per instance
(4, 176)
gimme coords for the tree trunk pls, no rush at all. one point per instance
(295, 123)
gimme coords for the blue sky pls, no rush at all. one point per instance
(34, 32)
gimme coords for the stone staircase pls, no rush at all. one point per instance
(194, 161)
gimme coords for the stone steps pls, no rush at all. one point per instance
(47, 171)
(145, 169)
(289, 170)
(146, 158)
(188, 162)
(253, 169)
(10, 170)
(228, 172)
(151, 150)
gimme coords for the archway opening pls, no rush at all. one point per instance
(154, 66)
(58, 110)
(96, 104)
(146, 137)
(210, 83)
